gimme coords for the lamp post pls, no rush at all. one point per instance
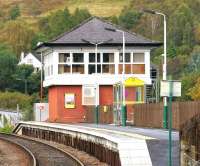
(96, 84)
(165, 112)
(123, 106)
(41, 78)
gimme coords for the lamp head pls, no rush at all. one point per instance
(111, 29)
(149, 11)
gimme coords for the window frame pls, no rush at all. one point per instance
(131, 62)
(71, 63)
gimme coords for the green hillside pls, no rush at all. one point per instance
(43, 7)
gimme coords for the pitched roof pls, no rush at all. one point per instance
(94, 30)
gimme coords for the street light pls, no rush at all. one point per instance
(96, 97)
(164, 63)
(165, 113)
(123, 106)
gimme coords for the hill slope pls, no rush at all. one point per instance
(43, 7)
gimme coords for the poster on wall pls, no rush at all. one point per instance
(69, 100)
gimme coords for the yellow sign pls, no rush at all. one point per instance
(133, 82)
(69, 100)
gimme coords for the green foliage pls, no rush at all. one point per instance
(194, 63)
(5, 120)
(188, 81)
(14, 12)
(60, 21)
(80, 15)
(25, 76)
(9, 100)
(181, 25)
(194, 92)
(7, 129)
(18, 35)
(128, 18)
(7, 66)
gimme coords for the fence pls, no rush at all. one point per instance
(151, 115)
(105, 115)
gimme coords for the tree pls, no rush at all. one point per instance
(14, 12)
(9, 100)
(18, 35)
(194, 92)
(128, 18)
(56, 23)
(21, 77)
(194, 63)
(80, 15)
(8, 63)
(181, 26)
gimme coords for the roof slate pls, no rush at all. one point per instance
(93, 30)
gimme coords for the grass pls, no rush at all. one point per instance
(7, 129)
(102, 8)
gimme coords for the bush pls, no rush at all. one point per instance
(7, 129)
(9, 100)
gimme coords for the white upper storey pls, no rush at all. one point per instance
(78, 65)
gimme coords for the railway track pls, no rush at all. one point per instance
(42, 154)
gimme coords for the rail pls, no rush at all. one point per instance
(34, 161)
(76, 161)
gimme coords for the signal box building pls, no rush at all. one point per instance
(73, 73)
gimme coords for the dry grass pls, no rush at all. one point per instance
(96, 7)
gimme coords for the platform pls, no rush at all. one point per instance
(136, 146)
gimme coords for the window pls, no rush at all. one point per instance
(78, 57)
(71, 63)
(138, 69)
(108, 57)
(138, 57)
(63, 68)
(108, 68)
(48, 65)
(89, 95)
(127, 63)
(92, 57)
(108, 65)
(138, 66)
(127, 57)
(64, 58)
(134, 63)
(92, 63)
(78, 63)
(79, 69)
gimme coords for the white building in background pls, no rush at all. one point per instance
(30, 59)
